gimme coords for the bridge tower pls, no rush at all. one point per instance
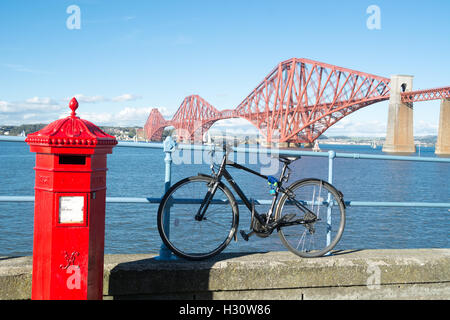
(443, 139)
(400, 134)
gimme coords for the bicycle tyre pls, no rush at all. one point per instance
(191, 239)
(320, 237)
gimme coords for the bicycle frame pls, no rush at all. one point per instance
(224, 173)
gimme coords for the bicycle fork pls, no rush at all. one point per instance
(205, 204)
(206, 201)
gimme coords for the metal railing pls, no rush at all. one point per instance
(169, 146)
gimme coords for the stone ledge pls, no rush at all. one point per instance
(358, 274)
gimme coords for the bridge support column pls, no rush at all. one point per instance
(400, 134)
(286, 145)
(443, 139)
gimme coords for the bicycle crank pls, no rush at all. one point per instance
(245, 236)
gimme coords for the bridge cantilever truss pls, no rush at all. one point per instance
(425, 95)
(296, 102)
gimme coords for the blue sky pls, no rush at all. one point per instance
(131, 56)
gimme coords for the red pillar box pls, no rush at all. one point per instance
(69, 213)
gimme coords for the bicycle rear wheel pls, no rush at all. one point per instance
(186, 236)
(320, 236)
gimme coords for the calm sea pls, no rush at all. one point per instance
(139, 172)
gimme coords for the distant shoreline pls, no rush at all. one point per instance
(129, 134)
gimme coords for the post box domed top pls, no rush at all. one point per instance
(71, 132)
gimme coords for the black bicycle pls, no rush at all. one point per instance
(198, 216)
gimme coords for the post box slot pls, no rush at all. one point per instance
(80, 160)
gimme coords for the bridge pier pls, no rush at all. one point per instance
(400, 134)
(443, 138)
(282, 145)
(266, 144)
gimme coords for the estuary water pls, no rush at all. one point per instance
(139, 172)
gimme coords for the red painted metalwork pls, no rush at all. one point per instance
(69, 217)
(297, 102)
(426, 95)
(194, 117)
(301, 98)
(155, 125)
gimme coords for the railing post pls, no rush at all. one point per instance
(169, 146)
(331, 156)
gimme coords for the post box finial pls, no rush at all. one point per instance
(73, 105)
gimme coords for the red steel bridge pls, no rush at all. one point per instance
(296, 102)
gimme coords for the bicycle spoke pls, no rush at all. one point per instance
(301, 238)
(315, 236)
(186, 235)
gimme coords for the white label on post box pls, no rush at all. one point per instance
(71, 209)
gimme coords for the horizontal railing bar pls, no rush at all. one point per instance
(132, 200)
(274, 151)
(153, 145)
(240, 202)
(397, 204)
(12, 138)
(284, 152)
(16, 198)
(388, 157)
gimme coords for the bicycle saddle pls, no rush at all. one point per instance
(288, 159)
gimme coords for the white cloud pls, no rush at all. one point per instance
(165, 112)
(128, 116)
(88, 99)
(375, 128)
(29, 116)
(41, 101)
(32, 104)
(133, 114)
(45, 109)
(234, 126)
(126, 97)
(5, 106)
(96, 118)
(351, 128)
(425, 128)
(32, 110)
(82, 98)
(26, 118)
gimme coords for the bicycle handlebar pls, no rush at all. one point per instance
(226, 148)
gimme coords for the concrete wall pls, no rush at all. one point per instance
(359, 274)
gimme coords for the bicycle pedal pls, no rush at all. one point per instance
(244, 235)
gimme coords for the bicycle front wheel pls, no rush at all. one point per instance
(191, 238)
(318, 237)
